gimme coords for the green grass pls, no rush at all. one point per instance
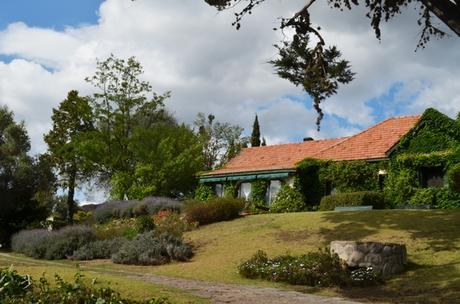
(432, 239)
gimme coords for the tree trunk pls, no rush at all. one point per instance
(71, 194)
(447, 11)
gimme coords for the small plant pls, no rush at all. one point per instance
(289, 199)
(151, 249)
(214, 210)
(13, 284)
(102, 249)
(144, 223)
(172, 223)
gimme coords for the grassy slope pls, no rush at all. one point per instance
(432, 239)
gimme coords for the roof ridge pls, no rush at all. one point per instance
(298, 143)
(367, 130)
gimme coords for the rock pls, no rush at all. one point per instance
(385, 258)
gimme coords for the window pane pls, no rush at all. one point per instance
(219, 189)
(275, 186)
(245, 190)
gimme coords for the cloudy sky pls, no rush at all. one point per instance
(48, 47)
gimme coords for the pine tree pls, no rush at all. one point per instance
(255, 136)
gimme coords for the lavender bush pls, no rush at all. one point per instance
(101, 249)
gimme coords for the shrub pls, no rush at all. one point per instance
(144, 223)
(351, 176)
(399, 187)
(423, 197)
(311, 269)
(288, 200)
(214, 210)
(447, 199)
(172, 223)
(102, 249)
(204, 193)
(52, 245)
(151, 249)
(363, 198)
(116, 228)
(453, 175)
(128, 209)
(75, 292)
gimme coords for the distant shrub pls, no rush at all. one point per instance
(52, 245)
(144, 223)
(172, 223)
(289, 199)
(214, 210)
(204, 192)
(311, 269)
(128, 209)
(101, 249)
(453, 175)
(18, 289)
(151, 249)
(363, 198)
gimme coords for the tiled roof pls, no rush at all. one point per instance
(372, 143)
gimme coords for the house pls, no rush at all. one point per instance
(391, 138)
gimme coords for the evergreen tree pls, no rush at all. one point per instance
(255, 136)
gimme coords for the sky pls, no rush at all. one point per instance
(48, 47)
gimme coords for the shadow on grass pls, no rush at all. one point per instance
(437, 233)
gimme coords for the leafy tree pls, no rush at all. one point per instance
(23, 179)
(121, 107)
(306, 61)
(255, 135)
(220, 141)
(72, 121)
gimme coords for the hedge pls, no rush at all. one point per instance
(362, 198)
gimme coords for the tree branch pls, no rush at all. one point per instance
(303, 10)
(446, 11)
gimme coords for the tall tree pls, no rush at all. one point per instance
(255, 135)
(122, 106)
(304, 58)
(72, 122)
(22, 178)
(220, 141)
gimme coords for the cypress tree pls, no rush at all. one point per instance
(255, 136)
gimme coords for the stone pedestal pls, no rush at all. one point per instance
(385, 258)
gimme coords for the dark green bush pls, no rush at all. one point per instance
(289, 199)
(18, 289)
(447, 199)
(52, 245)
(363, 198)
(102, 249)
(311, 269)
(214, 210)
(151, 249)
(144, 223)
(453, 175)
(424, 197)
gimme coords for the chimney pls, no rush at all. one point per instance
(308, 139)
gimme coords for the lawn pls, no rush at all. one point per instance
(432, 239)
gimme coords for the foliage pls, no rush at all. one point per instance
(100, 249)
(255, 135)
(399, 187)
(214, 210)
(25, 290)
(434, 132)
(447, 199)
(351, 176)
(311, 269)
(24, 181)
(172, 223)
(144, 223)
(289, 199)
(127, 209)
(116, 228)
(204, 192)
(423, 197)
(220, 141)
(362, 198)
(259, 190)
(151, 249)
(230, 189)
(309, 182)
(72, 121)
(318, 69)
(453, 175)
(52, 245)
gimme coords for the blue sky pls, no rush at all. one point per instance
(189, 49)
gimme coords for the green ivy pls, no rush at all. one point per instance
(400, 186)
(259, 191)
(289, 199)
(204, 192)
(230, 189)
(309, 183)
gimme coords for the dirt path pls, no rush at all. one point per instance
(219, 293)
(245, 294)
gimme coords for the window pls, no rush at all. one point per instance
(244, 191)
(219, 190)
(274, 188)
(432, 177)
